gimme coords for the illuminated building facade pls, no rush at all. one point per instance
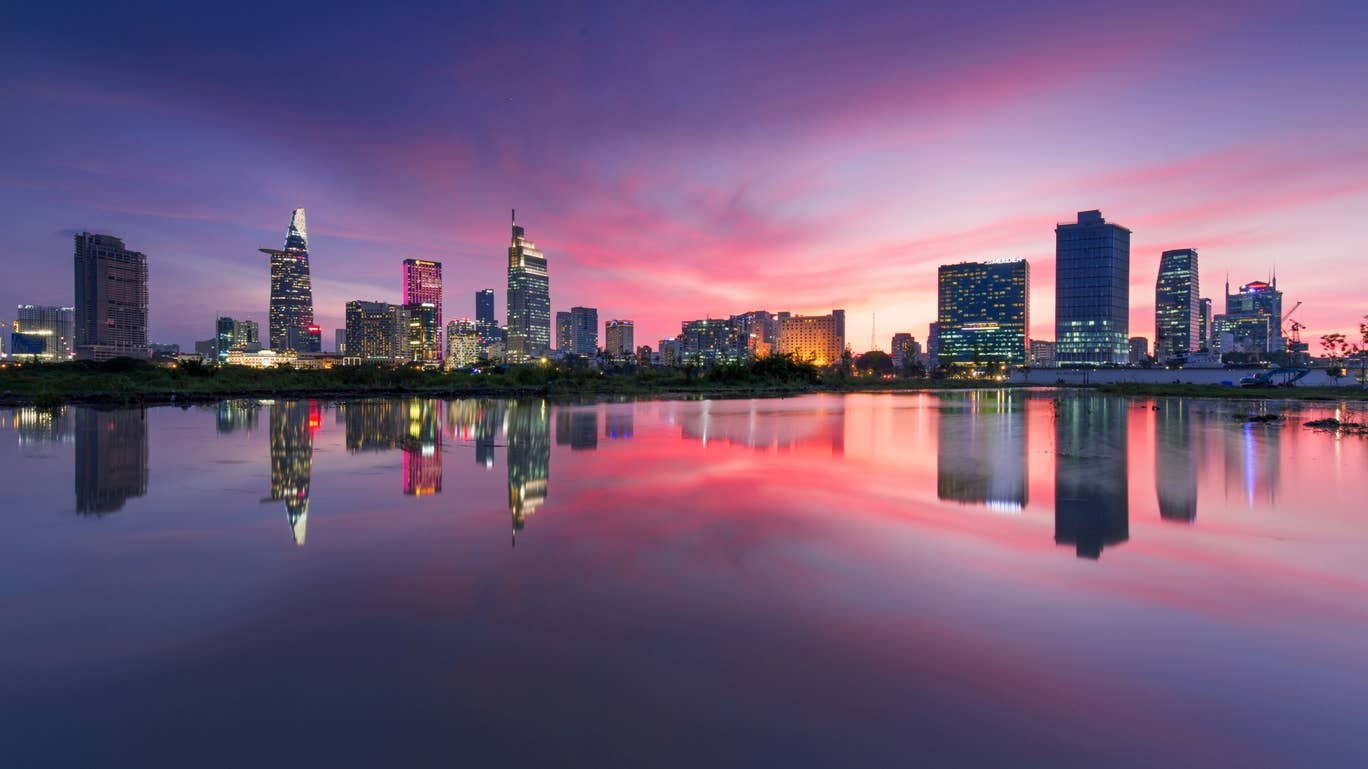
(55, 328)
(709, 342)
(421, 334)
(818, 339)
(619, 339)
(1204, 330)
(239, 335)
(291, 287)
(1252, 322)
(1042, 354)
(463, 348)
(983, 312)
(529, 300)
(1092, 292)
(111, 299)
(423, 285)
(1177, 306)
(375, 332)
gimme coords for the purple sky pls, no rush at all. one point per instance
(678, 161)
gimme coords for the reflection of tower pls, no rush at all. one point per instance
(111, 458)
(292, 426)
(237, 415)
(981, 449)
(1175, 461)
(1091, 505)
(423, 449)
(37, 427)
(529, 459)
(619, 422)
(1252, 462)
(376, 425)
(577, 428)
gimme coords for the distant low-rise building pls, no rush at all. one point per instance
(463, 344)
(1042, 354)
(618, 339)
(1139, 350)
(55, 325)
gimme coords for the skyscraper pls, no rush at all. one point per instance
(619, 338)
(421, 334)
(584, 331)
(1177, 306)
(984, 311)
(1205, 331)
(1092, 292)
(111, 299)
(423, 285)
(529, 299)
(484, 314)
(375, 332)
(1252, 322)
(291, 287)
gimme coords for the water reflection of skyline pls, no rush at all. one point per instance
(1092, 505)
(981, 449)
(111, 458)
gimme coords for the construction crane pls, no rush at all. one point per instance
(1294, 342)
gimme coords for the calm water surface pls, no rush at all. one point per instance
(971, 579)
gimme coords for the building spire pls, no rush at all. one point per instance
(297, 236)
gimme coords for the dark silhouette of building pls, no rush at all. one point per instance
(111, 299)
(111, 458)
(577, 428)
(1092, 510)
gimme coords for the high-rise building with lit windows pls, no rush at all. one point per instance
(421, 334)
(984, 311)
(618, 338)
(111, 299)
(376, 332)
(529, 299)
(1177, 306)
(1092, 292)
(291, 286)
(423, 285)
(817, 339)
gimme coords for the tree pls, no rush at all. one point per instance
(1337, 349)
(875, 361)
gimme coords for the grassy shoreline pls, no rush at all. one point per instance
(138, 383)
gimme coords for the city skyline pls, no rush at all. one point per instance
(772, 183)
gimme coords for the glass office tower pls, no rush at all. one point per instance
(1092, 292)
(983, 311)
(1177, 306)
(291, 286)
(529, 299)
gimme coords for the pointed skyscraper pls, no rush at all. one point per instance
(292, 313)
(529, 300)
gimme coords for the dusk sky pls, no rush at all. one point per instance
(679, 161)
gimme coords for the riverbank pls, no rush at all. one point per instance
(138, 383)
(135, 383)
